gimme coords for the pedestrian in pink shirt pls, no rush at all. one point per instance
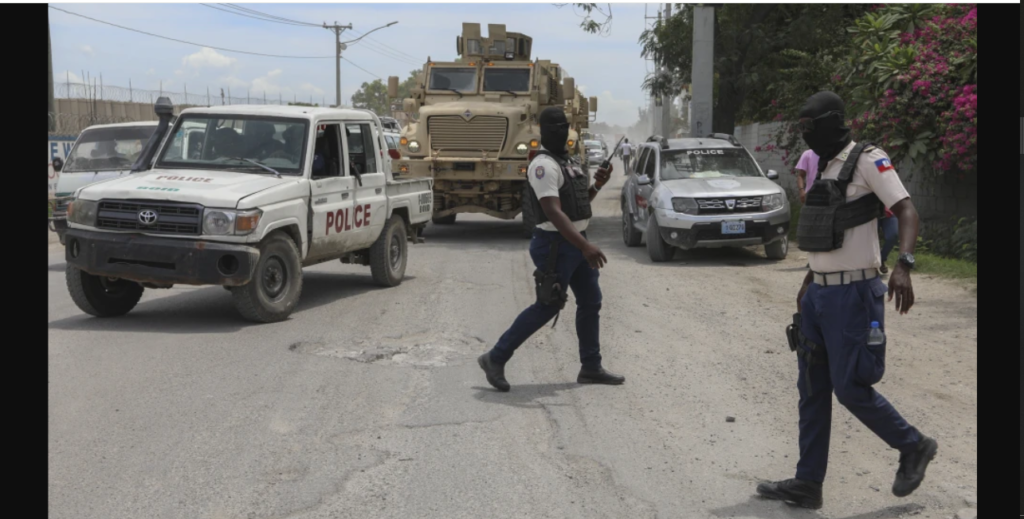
(806, 172)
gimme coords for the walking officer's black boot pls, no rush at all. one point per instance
(599, 376)
(793, 491)
(912, 466)
(495, 372)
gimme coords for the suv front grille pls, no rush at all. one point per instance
(719, 206)
(123, 215)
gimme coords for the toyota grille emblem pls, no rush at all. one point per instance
(147, 217)
(731, 204)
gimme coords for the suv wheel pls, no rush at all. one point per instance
(630, 235)
(656, 247)
(777, 250)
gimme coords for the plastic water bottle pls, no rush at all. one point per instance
(875, 337)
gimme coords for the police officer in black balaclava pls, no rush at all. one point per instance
(558, 198)
(827, 136)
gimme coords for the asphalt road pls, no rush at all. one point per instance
(368, 403)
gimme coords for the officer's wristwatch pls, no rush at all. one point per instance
(907, 259)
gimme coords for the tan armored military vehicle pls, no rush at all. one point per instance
(475, 126)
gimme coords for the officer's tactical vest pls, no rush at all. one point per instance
(826, 215)
(574, 193)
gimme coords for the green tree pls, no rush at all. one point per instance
(374, 95)
(756, 46)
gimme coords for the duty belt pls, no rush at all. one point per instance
(845, 277)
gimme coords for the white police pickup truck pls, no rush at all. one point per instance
(244, 197)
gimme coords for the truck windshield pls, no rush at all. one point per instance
(592, 144)
(108, 148)
(680, 164)
(459, 79)
(215, 142)
(506, 80)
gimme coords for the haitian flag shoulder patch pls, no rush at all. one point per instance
(883, 165)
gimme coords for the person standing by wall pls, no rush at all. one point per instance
(806, 172)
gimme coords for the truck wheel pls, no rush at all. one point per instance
(100, 296)
(656, 247)
(272, 293)
(630, 234)
(388, 254)
(777, 250)
(445, 220)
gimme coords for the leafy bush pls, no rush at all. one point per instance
(958, 240)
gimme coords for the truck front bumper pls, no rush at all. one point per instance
(160, 261)
(461, 168)
(688, 232)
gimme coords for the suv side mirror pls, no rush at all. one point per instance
(643, 180)
(773, 175)
(58, 163)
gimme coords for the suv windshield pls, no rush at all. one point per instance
(460, 79)
(108, 148)
(215, 142)
(592, 144)
(506, 80)
(679, 164)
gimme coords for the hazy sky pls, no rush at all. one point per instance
(609, 67)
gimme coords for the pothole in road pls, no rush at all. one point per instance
(424, 349)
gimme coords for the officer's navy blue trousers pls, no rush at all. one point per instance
(839, 317)
(890, 232)
(574, 272)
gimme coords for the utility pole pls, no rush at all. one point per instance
(49, 74)
(338, 47)
(667, 100)
(703, 71)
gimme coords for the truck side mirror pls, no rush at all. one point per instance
(643, 180)
(773, 175)
(409, 106)
(393, 87)
(568, 88)
(58, 163)
(593, 103)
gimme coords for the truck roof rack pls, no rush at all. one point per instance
(724, 136)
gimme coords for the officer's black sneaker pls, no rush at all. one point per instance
(912, 466)
(599, 376)
(495, 372)
(793, 491)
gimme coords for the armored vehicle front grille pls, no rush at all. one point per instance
(453, 133)
(123, 215)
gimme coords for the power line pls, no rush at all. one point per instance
(250, 16)
(387, 46)
(265, 15)
(190, 42)
(361, 68)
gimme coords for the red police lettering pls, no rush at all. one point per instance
(358, 221)
(339, 220)
(366, 214)
(330, 222)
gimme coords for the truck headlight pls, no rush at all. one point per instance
(83, 212)
(414, 146)
(522, 149)
(772, 202)
(684, 205)
(226, 222)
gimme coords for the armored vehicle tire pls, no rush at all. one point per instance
(777, 250)
(656, 247)
(100, 296)
(276, 283)
(388, 254)
(630, 234)
(445, 220)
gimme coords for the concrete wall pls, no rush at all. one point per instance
(938, 200)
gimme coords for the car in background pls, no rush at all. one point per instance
(596, 152)
(702, 192)
(391, 124)
(392, 139)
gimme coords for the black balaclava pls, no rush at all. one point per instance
(829, 136)
(554, 130)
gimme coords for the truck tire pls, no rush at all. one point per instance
(444, 220)
(276, 284)
(777, 250)
(99, 296)
(388, 254)
(656, 247)
(630, 235)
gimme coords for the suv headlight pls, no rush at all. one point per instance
(414, 146)
(83, 212)
(226, 221)
(522, 148)
(772, 202)
(684, 205)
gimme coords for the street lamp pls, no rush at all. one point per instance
(340, 46)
